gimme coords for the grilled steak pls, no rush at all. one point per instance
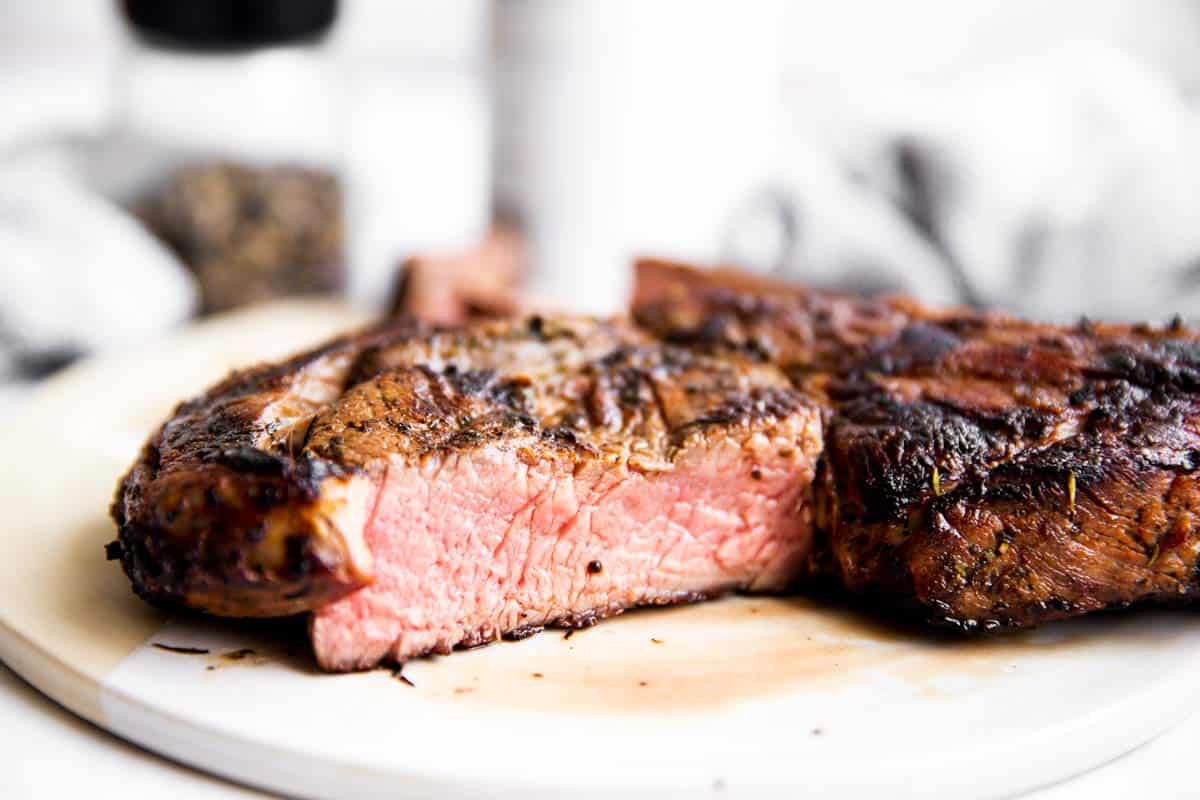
(416, 489)
(422, 489)
(979, 470)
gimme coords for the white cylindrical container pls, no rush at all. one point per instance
(626, 128)
(418, 171)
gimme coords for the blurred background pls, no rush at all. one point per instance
(167, 159)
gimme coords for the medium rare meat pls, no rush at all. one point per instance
(423, 489)
(979, 470)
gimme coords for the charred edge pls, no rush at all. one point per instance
(918, 346)
(1170, 367)
(523, 632)
(1055, 478)
(169, 563)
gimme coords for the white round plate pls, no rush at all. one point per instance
(746, 697)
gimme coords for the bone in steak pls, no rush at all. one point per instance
(422, 489)
(979, 470)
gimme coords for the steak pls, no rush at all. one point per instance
(978, 470)
(418, 489)
(415, 488)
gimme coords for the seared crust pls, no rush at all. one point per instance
(1104, 519)
(979, 470)
(639, 403)
(221, 512)
(810, 333)
(998, 483)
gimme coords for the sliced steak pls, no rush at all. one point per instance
(473, 483)
(418, 489)
(651, 476)
(227, 510)
(978, 470)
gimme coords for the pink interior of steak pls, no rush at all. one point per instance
(470, 545)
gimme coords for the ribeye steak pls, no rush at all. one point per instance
(979, 470)
(414, 489)
(421, 489)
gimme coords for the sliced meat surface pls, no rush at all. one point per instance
(448, 487)
(649, 477)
